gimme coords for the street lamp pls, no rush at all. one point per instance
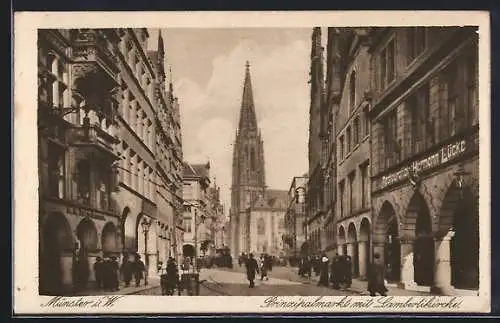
(145, 224)
(196, 223)
(300, 198)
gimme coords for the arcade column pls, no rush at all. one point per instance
(407, 267)
(363, 258)
(442, 274)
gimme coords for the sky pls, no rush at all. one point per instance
(208, 67)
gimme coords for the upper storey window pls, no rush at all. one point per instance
(416, 42)
(387, 64)
(352, 92)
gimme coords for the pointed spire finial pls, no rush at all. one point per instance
(161, 47)
(247, 65)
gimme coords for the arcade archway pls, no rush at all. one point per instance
(386, 238)
(352, 249)
(87, 236)
(188, 251)
(423, 244)
(459, 218)
(56, 239)
(109, 239)
(342, 246)
(364, 247)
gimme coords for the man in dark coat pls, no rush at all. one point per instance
(98, 273)
(139, 269)
(126, 270)
(348, 271)
(323, 266)
(114, 270)
(252, 268)
(376, 277)
(335, 275)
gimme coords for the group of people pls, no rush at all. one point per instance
(108, 272)
(339, 272)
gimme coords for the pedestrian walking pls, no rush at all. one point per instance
(263, 267)
(98, 273)
(323, 278)
(172, 276)
(348, 271)
(376, 277)
(252, 268)
(138, 270)
(335, 272)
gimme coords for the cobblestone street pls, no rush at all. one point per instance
(282, 281)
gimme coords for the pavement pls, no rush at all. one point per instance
(153, 283)
(282, 281)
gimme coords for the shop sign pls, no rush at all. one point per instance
(444, 155)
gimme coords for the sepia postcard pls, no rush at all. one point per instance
(251, 162)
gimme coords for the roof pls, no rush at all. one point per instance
(202, 169)
(196, 170)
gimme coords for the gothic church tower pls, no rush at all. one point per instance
(248, 182)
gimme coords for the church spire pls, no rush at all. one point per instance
(248, 119)
(161, 56)
(161, 48)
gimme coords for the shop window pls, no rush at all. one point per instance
(103, 190)
(83, 182)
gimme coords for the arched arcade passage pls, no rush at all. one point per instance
(364, 247)
(386, 241)
(458, 240)
(56, 242)
(352, 249)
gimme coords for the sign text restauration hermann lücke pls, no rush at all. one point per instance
(444, 155)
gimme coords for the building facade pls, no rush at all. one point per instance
(97, 157)
(78, 150)
(265, 223)
(218, 217)
(405, 119)
(295, 217)
(320, 198)
(169, 157)
(197, 218)
(352, 126)
(425, 171)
